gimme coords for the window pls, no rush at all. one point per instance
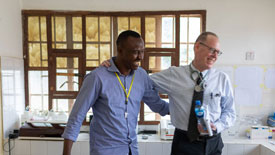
(61, 47)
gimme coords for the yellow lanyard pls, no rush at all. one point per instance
(126, 94)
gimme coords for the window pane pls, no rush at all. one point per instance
(66, 74)
(194, 28)
(150, 45)
(43, 28)
(104, 52)
(183, 54)
(160, 30)
(135, 24)
(158, 63)
(149, 115)
(35, 103)
(150, 29)
(63, 105)
(44, 52)
(122, 24)
(92, 28)
(167, 46)
(75, 63)
(61, 62)
(92, 63)
(38, 90)
(92, 51)
(34, 55)
(105, 31)
(60, 28)
(38, 82)
(77, 28)
(33, 29)
(66, 81)
(183, 29)
(61, 46)
(44, 55)
(167, 29)
(190, 53)
(77, 46)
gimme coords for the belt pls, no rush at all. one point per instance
(200, 138)
(204, 138)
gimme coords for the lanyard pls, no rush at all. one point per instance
(126, 94)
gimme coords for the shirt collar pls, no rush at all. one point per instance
(113, 67)
(195, 69)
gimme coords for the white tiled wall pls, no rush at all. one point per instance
(35, 147)
(13, 99)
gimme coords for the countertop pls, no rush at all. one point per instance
(82, 137)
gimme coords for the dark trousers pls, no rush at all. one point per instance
(203, 146)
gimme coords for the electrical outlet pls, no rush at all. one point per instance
(250, 55)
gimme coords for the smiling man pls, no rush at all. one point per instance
(198, 81)
(114, 94)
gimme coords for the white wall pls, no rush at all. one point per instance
(13, 93)
(10, 28)
(243, 25)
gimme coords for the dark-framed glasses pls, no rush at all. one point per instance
(212, 50)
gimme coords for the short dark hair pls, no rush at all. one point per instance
(124, 36)
(203, 36)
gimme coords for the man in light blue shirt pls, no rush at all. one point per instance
(181, 82)
(114, 94)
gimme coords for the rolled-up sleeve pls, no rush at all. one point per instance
(87, 96)
(162, 81)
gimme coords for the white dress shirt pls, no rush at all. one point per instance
(178, 83)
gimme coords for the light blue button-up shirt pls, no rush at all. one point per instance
(110, 132)
(179, 84)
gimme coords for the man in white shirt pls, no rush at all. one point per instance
(180, 83)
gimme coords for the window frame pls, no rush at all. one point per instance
(174, 52)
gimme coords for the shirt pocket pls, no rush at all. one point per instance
(213, 101)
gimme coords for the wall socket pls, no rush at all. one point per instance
(250, 55)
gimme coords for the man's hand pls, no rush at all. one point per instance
(213, 127)
(105, 63)
(201, 129)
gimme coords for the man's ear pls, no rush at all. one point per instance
(196, 46)
(119, 50)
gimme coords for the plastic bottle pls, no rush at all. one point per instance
(202, 119)
(199, 111)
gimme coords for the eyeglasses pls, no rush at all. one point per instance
(212, 50)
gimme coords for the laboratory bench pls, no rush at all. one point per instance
(151, 146)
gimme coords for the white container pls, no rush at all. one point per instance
(166, 130)
(259, 132)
